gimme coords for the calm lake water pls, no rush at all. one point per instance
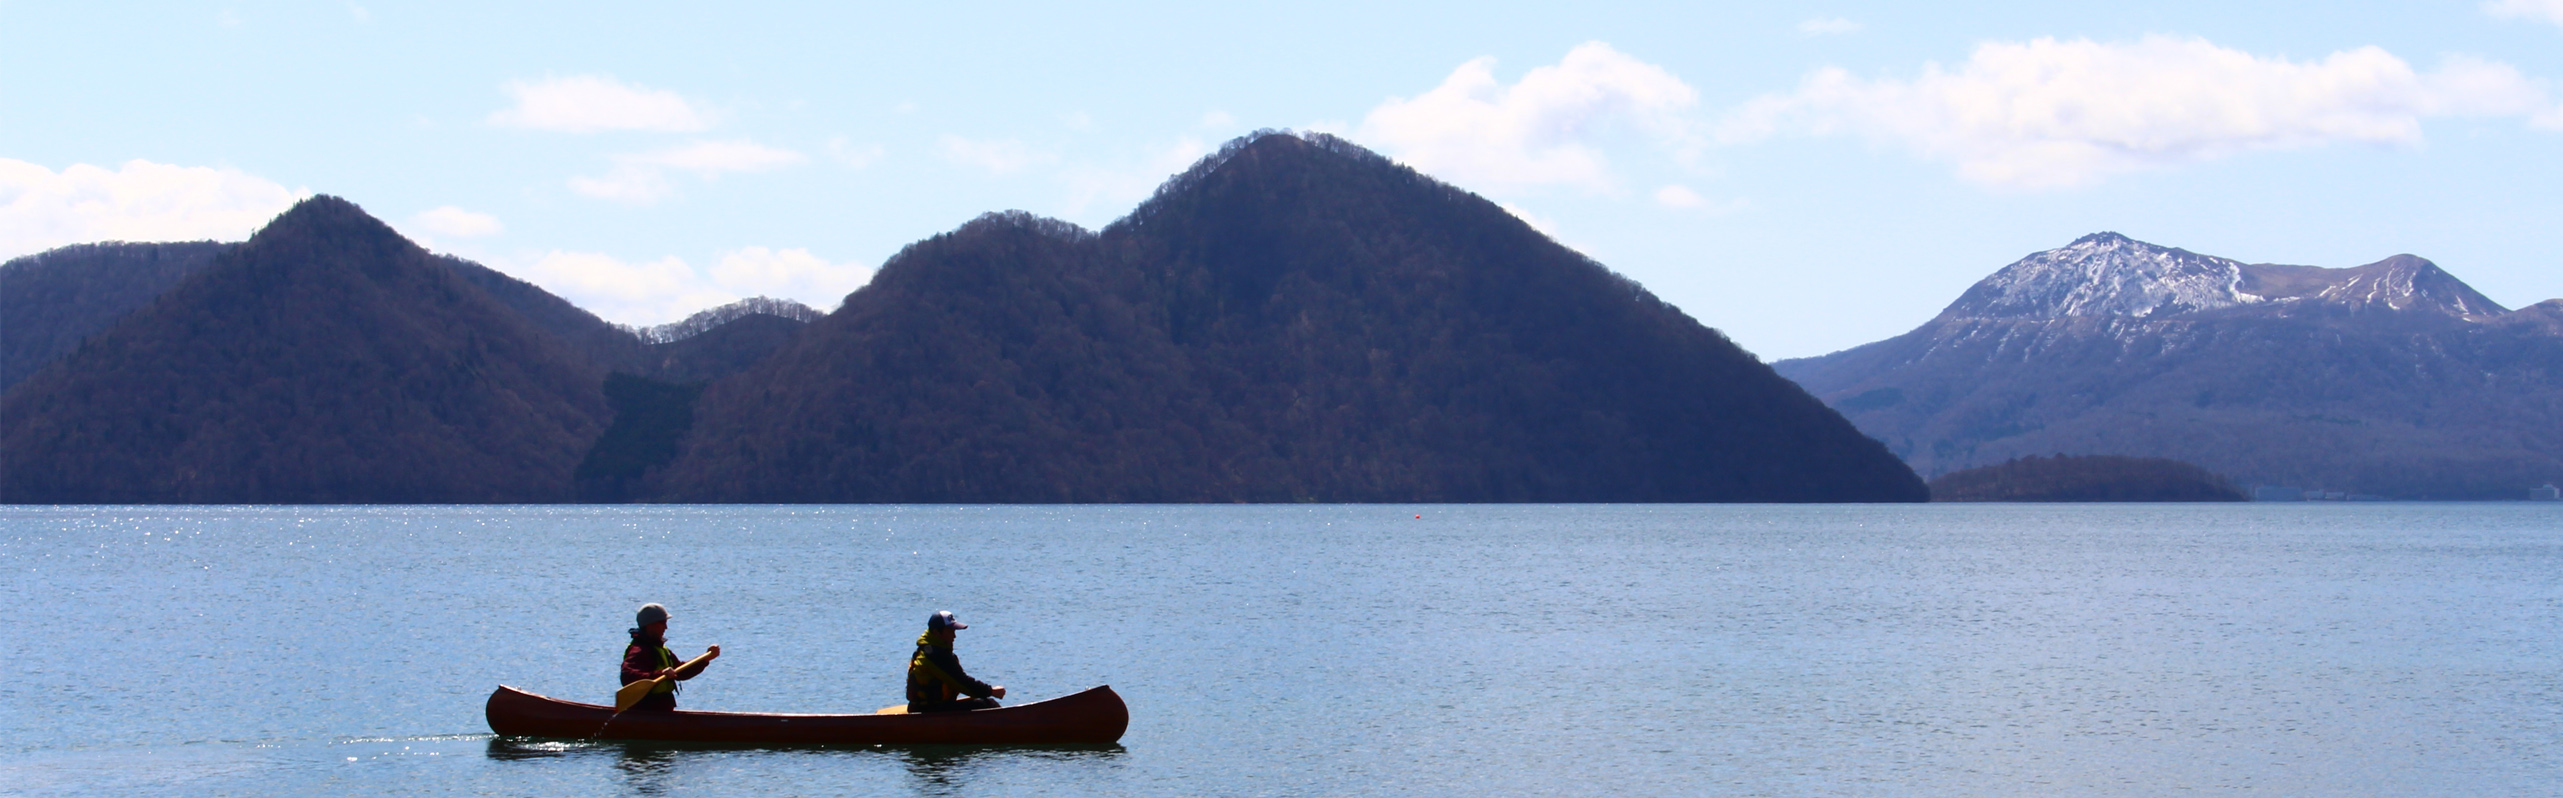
(1949, 650)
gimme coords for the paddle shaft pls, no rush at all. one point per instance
(633, 693)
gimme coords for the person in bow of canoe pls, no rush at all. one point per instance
(936, 682)
(648, 658)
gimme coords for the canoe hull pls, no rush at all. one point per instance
(1093, 717)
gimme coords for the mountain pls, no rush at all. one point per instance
(51, 300)
(2394, 378)
(1292, 319)
(720, 341)
(326, 359)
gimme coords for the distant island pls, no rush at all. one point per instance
(1293, 319)
(2087, 478)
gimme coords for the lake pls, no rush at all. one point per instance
(1925, 650)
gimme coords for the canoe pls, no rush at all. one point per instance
(1093, 717)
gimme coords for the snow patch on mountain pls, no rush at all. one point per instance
(2105, 274)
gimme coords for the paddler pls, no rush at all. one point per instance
(648, 658)
(936, 682)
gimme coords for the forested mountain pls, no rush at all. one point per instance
(327, 359)
(721, 341)
(2088, 478)
(1293, 319)
(51, 300)
(2393, 379)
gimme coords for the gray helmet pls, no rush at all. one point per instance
(944, 620)
(650, 614)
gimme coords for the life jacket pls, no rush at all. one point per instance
(667, 659)
(927, 683)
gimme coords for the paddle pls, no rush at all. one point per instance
(634, 692)
(893, 709)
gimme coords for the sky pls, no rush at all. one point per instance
(1804, 176)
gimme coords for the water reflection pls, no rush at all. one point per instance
(941, 770)
(645, 771)
(658, 769)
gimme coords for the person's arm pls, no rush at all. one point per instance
(692, 669)
(951, 667)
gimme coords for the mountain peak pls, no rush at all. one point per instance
(2399, 283)
(2107, 274)
(2104, 274)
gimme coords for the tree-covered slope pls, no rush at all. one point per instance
(325, 360)
(52, 300)
(2087, 478)
(1294, 319)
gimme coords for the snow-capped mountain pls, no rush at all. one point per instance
(2393, 378)
(2107, 274)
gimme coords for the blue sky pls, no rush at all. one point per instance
(1804, 176)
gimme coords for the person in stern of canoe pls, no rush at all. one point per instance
(648, 658)
(936, 682)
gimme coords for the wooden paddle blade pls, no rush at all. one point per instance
(893, 709)
(633, 693)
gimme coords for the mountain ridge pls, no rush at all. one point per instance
(2392, 378)
(1291, 319)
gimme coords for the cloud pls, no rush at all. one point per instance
(642, 177)
(458, 223)
(591, 103)
(1541, 131)
(1089, 185)
(1003, 156)
(1680, 197)
(1546, 226)
(851, 154)
(792, 274)
(668, 289)
(1828, 26)
(2547, 10)
(649, 292)
(2048, 113)
(141, 201)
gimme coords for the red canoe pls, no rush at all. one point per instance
(1092, 717)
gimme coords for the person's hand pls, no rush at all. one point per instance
(998, 691)
(713, 652)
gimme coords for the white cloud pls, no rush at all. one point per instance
(1541, 131)
(1090, 185)
(1681, 197)
(626, 182)
(456, 222)
(851, 154)
(669, 289)
(2050, 113)
(1828, 26)
(141, 201)
(1002, 156)
(1544, 225)
(2547, 10)
(642, 177)
(590, 103)
(792, 274)
(1217, 120)
(711, 158)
